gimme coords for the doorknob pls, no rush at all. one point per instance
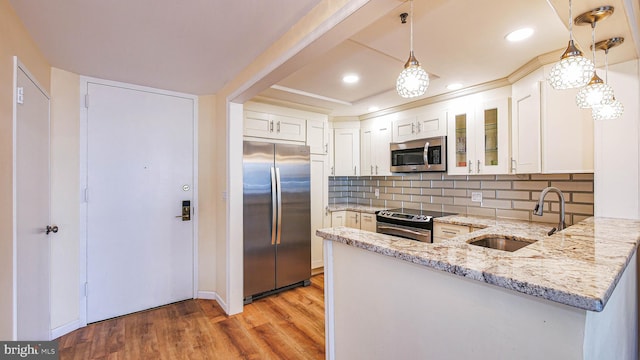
(186, 211)
(52, 229)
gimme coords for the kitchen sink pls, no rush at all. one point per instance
(500, 242)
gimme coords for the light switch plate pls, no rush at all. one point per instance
(476, 197)
(377, 193)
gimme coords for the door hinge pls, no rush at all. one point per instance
(20, 95)
(86, 101)
(86, 289)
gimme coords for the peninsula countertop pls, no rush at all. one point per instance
(579, 266)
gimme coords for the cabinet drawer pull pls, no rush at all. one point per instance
(450, 232)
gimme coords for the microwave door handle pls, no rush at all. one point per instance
(425, 155)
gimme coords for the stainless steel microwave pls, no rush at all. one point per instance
(419, 155)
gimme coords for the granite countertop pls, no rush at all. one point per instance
(355, 207)
(579, 266)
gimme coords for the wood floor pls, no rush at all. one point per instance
(289, 325)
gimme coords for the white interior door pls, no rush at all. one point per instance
(140, 169)
(32, 210)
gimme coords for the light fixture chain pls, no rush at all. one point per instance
(570, 22)
(606, 66)
(411, 25)
(593, 41)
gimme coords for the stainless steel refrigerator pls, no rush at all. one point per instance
(277, 218)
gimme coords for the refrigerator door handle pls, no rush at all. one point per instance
(279, 195)
(273, 205)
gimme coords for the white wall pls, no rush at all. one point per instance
(617, 152)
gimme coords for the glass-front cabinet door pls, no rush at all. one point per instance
(460, 142)
(492, 137)
(478, 139)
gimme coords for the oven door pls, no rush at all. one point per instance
(407, 232)
(419, 155)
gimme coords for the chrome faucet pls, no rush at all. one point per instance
(539, 207)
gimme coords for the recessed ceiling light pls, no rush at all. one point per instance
(519, 35)
(373, 108)
(351, 79)
(454, 86)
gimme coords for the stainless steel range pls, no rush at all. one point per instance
(408, 223)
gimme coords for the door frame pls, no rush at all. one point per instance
(17, 64)
(84, 83)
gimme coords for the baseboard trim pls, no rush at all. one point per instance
(65, 329)
(318, 270)
(212, 295)
(208, 295)
(222, 304)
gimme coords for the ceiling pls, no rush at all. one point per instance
(455, 40)
(196, 46)
(192, 46)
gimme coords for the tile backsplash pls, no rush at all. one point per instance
(503, 196)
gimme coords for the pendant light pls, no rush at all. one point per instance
(615, 109)
(413, 81)
(573, 70)
(596, 92)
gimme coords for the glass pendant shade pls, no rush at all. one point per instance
(596, 93)
(608, 112)
(573, 70)
(413, 81)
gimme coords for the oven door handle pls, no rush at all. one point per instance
(401, 230)
(425, 155)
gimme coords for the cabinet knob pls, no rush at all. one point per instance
(278, 126)
(271, 126)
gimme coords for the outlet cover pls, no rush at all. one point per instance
(476, 197)
(377, 193)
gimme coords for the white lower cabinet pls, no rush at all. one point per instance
(338, 218)
(354, 219)
(368, 222)
(448, 231)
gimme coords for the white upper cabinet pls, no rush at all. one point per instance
(375, 158)
(525, 125)
(290, 128)
(285, 124)
(566, 131)
(424, 124)
(318, 137)
(478, 141)
(271, 126)
(346, 146)
(549, 133)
